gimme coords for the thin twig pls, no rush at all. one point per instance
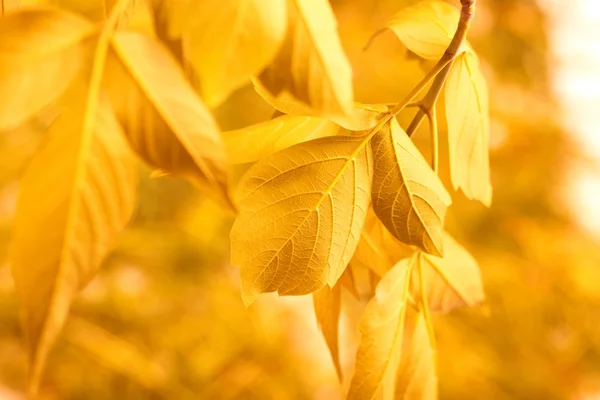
(427, 104)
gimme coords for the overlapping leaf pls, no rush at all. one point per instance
(467, 114)
(76, 195)
(377, 249)
(382, 328)
(254, 142)
(426, 28)
(407, 196)
(311, 65)
(416, 378)
(450, 282)
(361, 118)
(301, 211)
(327, 304)
(164, 120)
(36, 46)
(226, 41)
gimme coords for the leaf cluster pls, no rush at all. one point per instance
(331, 183)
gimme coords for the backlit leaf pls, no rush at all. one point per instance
(377, 249)
(76, 195)
(407, 196)
(254, 142)
(37, 46)
(361, 118)
(426, 28)
(227, 41)
(164, 120)
(311, 65)
(301, 211)
(450, 282)
(417, 375)
(467, 114)
(382, 329)
(327, 303)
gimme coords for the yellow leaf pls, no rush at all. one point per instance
(450, 282)
(227, 41)
(426, 28)
(77, 194)
(164, 120)
(347, 280)
(327, 303)
(301, 211)
(408, 197)
(377, 249)
(417, 376)
(467, 114)
(96, 10)
(382, 329)
(36, 47)
(311, 65)
(361, 118)
(254, 142)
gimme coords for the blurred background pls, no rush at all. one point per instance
(164, 317)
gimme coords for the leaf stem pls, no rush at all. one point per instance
(425, 308)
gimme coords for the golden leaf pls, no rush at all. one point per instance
(96, 10)
(408, 197)
(227, 41)
(467, 114)
(382, 329)
(77, 194)
(450, 282)
(327, 303)
(164, 120)
(254, 142)
(301, 211)
(417, 376)
(377, 249)
(426, 28)
(36, 46)
(311, 65)
(361, 118)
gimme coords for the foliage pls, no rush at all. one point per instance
(334, 185)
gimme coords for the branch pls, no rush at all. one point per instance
(427, 104)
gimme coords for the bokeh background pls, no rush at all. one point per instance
(164, 317)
